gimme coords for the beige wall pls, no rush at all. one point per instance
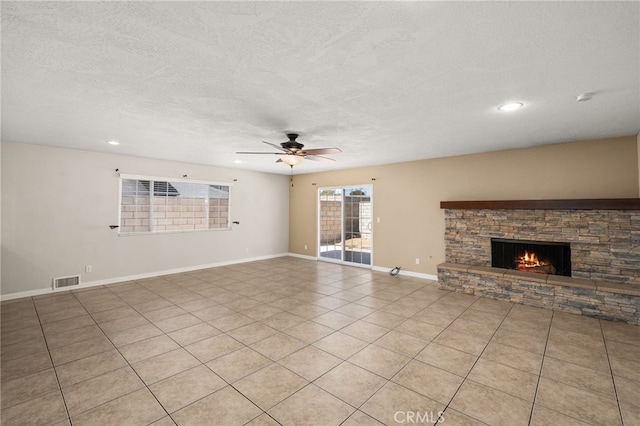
(57, 205)
(406, 196)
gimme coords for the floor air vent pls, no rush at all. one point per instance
(66, 281)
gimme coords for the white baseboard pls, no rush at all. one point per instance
(407, 273)
(374, 268)
(302, 256)
(106, 281)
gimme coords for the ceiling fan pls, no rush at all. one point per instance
(292, 152)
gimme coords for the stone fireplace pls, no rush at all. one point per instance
(580, 256)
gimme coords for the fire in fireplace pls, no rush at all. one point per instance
(538, 257)
(529, 262)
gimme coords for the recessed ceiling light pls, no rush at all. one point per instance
(510, 106)
(113, 142)
(237, 161)
(584, 97)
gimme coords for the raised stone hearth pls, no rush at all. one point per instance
(605, 254)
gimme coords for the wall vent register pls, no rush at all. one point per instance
(62, 282)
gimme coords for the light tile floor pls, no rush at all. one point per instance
(296, 342)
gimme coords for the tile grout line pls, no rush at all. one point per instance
(573, 385)
(311, 344)
(346, 360)
(225, 333)
(466, 377)
(277, 362)
(169, 415)
(201, 363)
(123, 357)
(181, 346)
(544, 352)
(412, 359)
(53, 366)
(613, 378)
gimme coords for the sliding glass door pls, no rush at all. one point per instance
(345, 224)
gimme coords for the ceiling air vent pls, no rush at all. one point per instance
(66, 281)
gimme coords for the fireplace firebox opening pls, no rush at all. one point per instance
(541, 257)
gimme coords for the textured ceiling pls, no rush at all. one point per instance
(384, 81)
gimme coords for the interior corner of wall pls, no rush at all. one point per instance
(638, 162)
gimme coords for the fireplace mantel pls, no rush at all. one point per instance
(581, 204)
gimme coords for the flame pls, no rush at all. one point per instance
(530, 260)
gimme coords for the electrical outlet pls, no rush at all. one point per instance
(417, 261)
(305, 246)
(88, 268)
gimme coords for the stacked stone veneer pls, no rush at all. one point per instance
(605, 258)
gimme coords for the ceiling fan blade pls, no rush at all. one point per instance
(275, 146)
(322, 151)
(319, 158)
(279, 160)
(254, 152)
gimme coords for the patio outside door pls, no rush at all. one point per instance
(345, 224)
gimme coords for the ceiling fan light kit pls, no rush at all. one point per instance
(292, 160)
(292, 152)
